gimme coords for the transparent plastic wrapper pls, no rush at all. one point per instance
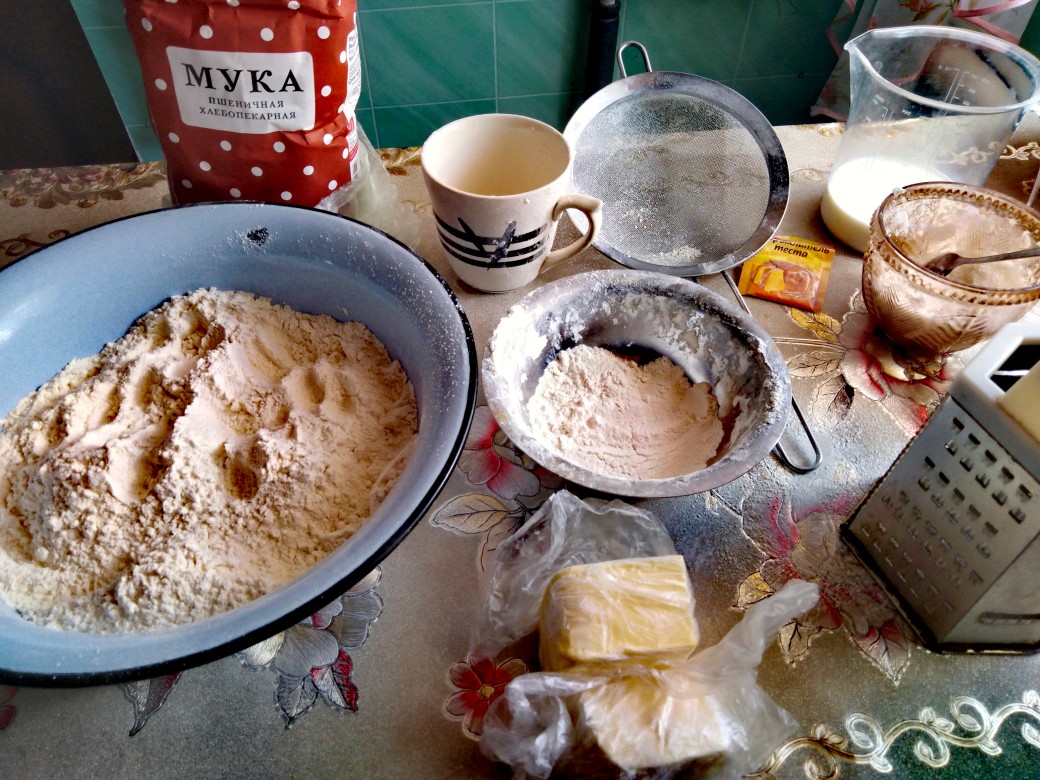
(564, 532)
(371, 197)
(645, 715)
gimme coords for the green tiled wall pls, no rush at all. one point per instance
(427, 62)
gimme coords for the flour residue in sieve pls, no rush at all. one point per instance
(682, 180)
(621, 418)
(219, 449)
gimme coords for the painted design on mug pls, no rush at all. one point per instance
(506, 251)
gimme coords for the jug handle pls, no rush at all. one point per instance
(642, 51)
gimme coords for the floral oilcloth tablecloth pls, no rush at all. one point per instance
(378, 684)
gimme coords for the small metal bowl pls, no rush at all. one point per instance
(710, 339)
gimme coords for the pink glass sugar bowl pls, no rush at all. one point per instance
(926, 311)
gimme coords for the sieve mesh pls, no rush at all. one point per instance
(682, 181)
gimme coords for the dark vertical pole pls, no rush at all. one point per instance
(603, 35)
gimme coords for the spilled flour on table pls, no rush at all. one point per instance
(616, 417)
(219, 449)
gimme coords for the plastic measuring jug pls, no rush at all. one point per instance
(927, 104)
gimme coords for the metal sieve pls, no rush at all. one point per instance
(692, 176)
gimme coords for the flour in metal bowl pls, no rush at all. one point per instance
(619, 416)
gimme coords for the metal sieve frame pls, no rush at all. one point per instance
(745, 114)
(727, 101)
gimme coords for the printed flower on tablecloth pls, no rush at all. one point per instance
(809, 548)
(7, 710)
(851, 357)
(46, 188)
(490, 460)
(479, 682)
(311, 658)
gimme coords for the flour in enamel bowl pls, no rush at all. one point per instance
(222, 447)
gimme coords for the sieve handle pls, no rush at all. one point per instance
(779, 448)
(642, 50)
(592, 208)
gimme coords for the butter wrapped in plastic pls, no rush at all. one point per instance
(638, 701)
(646, 720)
(789, 270)
(617, 609)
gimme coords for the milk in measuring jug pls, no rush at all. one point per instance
(856, 189)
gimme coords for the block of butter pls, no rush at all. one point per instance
(617, 609)
(640, 722)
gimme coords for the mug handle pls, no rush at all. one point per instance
(592, 208)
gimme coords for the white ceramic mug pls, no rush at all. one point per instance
(498, 186)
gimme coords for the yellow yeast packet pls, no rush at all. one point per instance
(789, 270)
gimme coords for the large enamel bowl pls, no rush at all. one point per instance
(70, 298)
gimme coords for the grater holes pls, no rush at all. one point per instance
(958, 496)
(990, 458)
(1000, 497)
(967, 463)
(973, 440)
(951, 447)
(973, 513)
(1024, 493)
(929, 463)
(1006, 476)
(1017, 514)
(989, 529)
(943, 478)
(957, 425)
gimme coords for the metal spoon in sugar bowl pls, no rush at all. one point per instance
(944, 263)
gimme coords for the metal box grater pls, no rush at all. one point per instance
(952, 531)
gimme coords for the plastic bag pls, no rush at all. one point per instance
(565, 531)
(371, 197)
(650, 716)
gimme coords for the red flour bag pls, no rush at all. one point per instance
(251, 99)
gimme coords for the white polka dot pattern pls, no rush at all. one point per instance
(251, 101)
